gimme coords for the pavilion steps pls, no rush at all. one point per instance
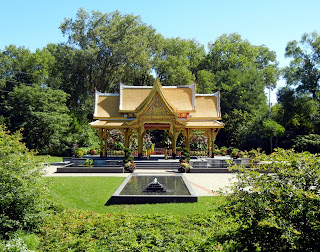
(157, 165)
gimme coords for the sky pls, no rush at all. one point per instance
(273, 23)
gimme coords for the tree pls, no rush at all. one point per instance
(43, 115)
(113, 47)
(277, 210)
(239, 125)
(23, 192)
(178, 60)
(309, 143)
(19, 66)
(241, 71)
(205, 82)
(272, 129)
(304, 71)
(298, 113)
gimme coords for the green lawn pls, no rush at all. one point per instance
(48, 158)
(91, 193)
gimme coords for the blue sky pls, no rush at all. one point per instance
(34, 23)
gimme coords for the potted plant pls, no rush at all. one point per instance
(217, 152)
(130, 166)
(235, 153)
(184, 167)
(223, 151)
(184, 161)
(88, 162)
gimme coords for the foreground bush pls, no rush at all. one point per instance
(89, 231)
(279, 210)
(23, 194)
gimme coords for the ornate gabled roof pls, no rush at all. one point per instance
(207, 106)
(156, 98)
(179, 101)
(180, 97)
(106, 106)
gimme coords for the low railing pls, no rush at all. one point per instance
(193, 153)
(115, 153)
(199, 153)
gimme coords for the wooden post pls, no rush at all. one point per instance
(213, 138)
(210, 147)
(100, 134)
(140, 141)
(174, 143)
(106, 133)
(187, 138)
(127, 134)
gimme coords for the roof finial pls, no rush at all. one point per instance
(157, 83)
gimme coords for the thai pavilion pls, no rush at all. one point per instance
(177, 109)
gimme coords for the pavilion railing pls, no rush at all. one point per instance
(199, 153)
(193, 153)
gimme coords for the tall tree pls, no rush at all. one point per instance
(20, 66)
(177, 62)
(304, 68)
(241, 71)
(42, 114)
(114, 48)
(299, 113)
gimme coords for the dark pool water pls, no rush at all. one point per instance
(174, 185)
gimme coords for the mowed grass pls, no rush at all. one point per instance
(48, 158)
(92, 193)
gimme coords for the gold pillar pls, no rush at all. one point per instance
(140, 141)
(106, 134)
(209, 141)
(174, 143)
(214, 133)
(126, 134)
(187, 138)
(100, 134)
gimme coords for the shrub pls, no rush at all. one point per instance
(16, 245)
(88, 162)
(127, 153)
(309, 143)
(92, 152)
(78, 153)
(223, 151)
(216, 152)
(235, 153)
(90, 231)
(278, 210)
(23, 193)
(185, 154)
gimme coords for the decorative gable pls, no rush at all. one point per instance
(157, 108)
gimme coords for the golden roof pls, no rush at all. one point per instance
(207, 106)
(181, 97)
(204, 124)
(107, 105)
(132, 97)
(107, 124)
(180, 100)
